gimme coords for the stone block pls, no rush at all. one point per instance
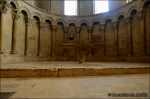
(65, 72)
(91, 72)
(45, 73)
(3, 73)
(13, 73)
(26, 73)
(79, 72)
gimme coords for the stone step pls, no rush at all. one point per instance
(70, 72)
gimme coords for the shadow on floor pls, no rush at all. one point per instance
(6, 95)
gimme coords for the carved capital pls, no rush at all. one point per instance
(16, 14)
(28, 21)
(54, 27)
(115, 24)
(66, 29)
(128, 20)
(141, 14)
(78, 29)
(42, 25)
(103, 27)
(90, 29)
(4, 7)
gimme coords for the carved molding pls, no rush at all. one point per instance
(128, 20)
(103, 27)
(141, 14)
(66, 29)
(115, 24)
(16, 14)
(4, 8)
(28, 21)
(42, 25)
(54, 27)
(78, 29)
(90, 29)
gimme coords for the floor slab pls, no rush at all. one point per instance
(79, 87)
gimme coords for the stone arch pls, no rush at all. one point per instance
(72, 21)
(130, 10)
(37, 15)
(83, 21)
(48, 18)
(60, 20)
(25, 10)
(120, 14)
(14, 3)
(107, 18)
(144, 2)
(95, 20)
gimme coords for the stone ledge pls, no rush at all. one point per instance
(65, 72)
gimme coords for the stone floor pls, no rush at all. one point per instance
(121, 86)
(73, 64)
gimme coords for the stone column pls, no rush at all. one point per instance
(103, 37)
(78, 33)
(14, 33)
(65, 34)
(90, 39)
(65, 39)
(115, 26)
(28, 23)
(129, 35)
(41, 28)
(3, 10)
(54, 27)
(141, 16)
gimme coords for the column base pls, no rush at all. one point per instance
(2, 51)
(13, 52)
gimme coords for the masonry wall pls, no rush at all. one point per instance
(49, 40)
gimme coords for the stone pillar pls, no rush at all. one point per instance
(78, 33)
(115, 26)
(90, 39)
(129, 35)
(3, 10)
(54, 27)
(41, 28)
(65, 39)
(103, 37)
(141, 16)
(14, 33)
(28, 23)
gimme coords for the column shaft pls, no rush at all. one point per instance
(41, 28)
(129, 33)
(90, 39)
(53, 38)
(65, 39)
(2, 33)
(103, 37)
(141, 16)
(28, 21)
(78, 33)
(14, 33)
(115, 25)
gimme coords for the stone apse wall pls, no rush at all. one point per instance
(28, 33)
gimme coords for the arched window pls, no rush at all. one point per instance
(70, 7)
(100, 6)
